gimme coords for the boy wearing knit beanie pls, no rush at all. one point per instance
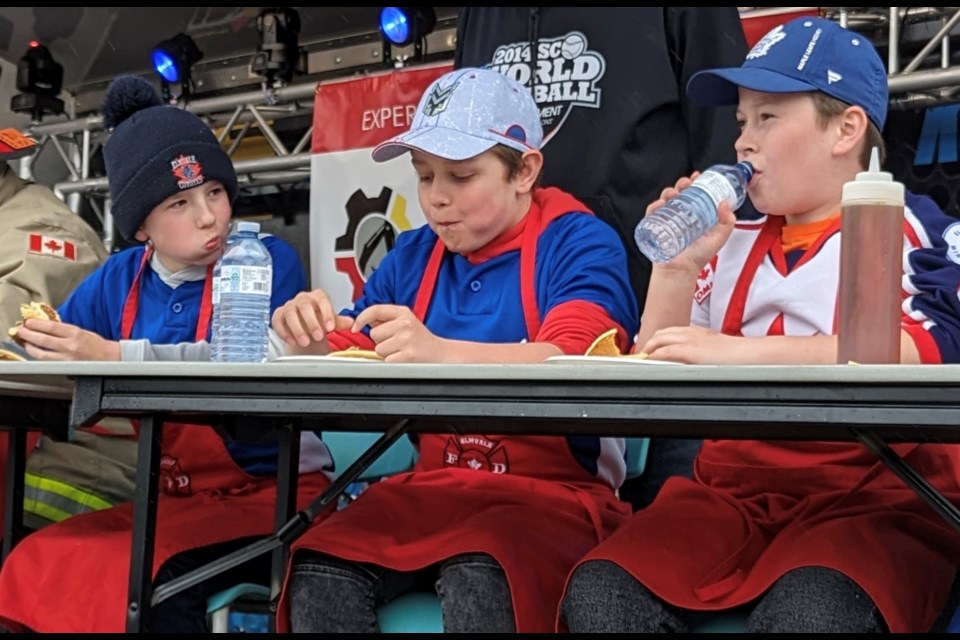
(172, 188)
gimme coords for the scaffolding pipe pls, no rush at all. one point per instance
(243, 168)
(201, 106)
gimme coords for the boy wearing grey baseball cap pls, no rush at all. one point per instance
(811, 536)
(465, 113)
(503, 272)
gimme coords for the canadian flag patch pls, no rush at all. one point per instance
(50, 246)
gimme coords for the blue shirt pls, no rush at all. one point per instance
(168, 316)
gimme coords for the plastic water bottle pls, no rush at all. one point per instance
(664, 233)
(215, 282)
(242, 313)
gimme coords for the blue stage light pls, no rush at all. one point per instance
(395, 25)
(165, 66)
(173, 60)
(401, 26)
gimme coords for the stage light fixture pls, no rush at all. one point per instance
(278, 55)
(173, 61)
(39, 79)
(403, 26)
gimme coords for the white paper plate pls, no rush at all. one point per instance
(326, 359)
(581, 360)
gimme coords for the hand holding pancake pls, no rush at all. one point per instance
(38, 310)
(55, 340)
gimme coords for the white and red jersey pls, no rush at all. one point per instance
(775, 301)
(750, 288)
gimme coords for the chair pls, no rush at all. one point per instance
(732, 621)
(246, 602)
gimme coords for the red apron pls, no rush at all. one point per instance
(73, 576)
(522, 499)
(756, 510)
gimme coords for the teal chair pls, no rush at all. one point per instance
(228, 609)
(732, 621)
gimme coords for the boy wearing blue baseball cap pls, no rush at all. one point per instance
(503, 271)
(810, 536)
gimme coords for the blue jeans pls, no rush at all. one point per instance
(330, 595)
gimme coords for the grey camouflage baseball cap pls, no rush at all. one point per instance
(465, 112)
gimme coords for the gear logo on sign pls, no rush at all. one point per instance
(373, 225)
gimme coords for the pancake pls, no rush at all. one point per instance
(356, 352)
(38, 310)
(605, 345)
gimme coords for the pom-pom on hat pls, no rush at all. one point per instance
(155, 151)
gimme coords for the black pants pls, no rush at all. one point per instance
(186, 612)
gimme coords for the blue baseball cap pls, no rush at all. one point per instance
(805, 54)
(465, 112)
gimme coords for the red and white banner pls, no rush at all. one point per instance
(357, 206)
(758, 20)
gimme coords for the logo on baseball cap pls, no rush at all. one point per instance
(805, 54)
(465, 112)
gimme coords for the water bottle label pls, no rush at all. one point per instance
(216, 290)
(718, 187)
(242, 279)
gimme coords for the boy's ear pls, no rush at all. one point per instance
(141, 235)
(853, 124)
(530, 171)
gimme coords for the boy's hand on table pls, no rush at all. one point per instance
(399, 334)
(307, 319)
(694, 345)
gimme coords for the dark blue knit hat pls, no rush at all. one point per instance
(155, 151)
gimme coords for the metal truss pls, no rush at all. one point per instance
(918, 42)
(236, 118)
(76, 141)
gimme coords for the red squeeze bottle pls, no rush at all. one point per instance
(871, 268)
